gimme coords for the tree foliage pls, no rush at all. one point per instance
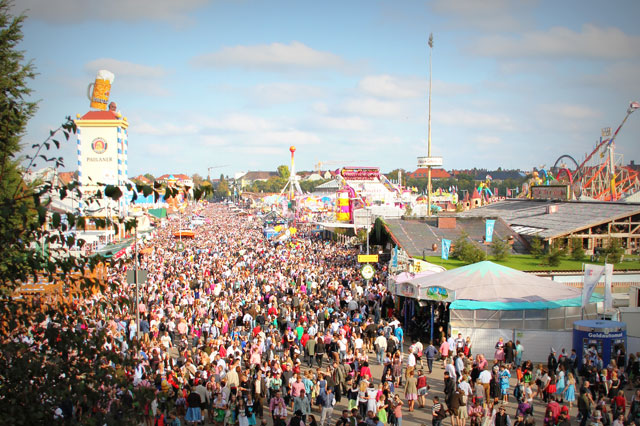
(535, 247)
(500, 250)
(577, 251)
(614, 251)
(466, 251)
(53, 352)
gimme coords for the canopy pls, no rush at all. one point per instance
(486, 285)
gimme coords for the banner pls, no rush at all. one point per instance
(592, 274)
(489, 230)
(446, 246)
(394, 257)
(608, 298)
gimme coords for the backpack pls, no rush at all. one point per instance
(517, 392)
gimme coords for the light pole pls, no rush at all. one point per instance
(429, 132)
(135, 277)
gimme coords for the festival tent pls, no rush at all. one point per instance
(489, 301)
(487, 285)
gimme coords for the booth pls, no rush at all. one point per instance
(598, 337)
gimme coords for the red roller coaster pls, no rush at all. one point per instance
(602, 175)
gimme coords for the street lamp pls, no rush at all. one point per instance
(135, 273)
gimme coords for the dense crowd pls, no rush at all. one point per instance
(237, 329)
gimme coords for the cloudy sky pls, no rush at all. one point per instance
(210, 82)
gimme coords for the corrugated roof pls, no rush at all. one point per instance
(417, 235)
(531, 215)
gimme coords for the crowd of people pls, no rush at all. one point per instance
(238, 329)
(480, 391)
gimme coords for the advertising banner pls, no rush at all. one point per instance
(592, 274)
(446, 246)
(489, 225)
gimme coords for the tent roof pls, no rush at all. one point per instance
(489, 282)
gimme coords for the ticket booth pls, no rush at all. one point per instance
(604, 338)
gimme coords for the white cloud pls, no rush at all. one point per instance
(281, 93)
(131, 77)
(592, 42)
(387, 86)
(488, 140)
(474, 120)
(164, 129)
(490, 15)
(350, 123)
(571, 112)
(239, 123)
(271, 57)
(372, 107)
(125, 68)
(76, 11)
(396, 87)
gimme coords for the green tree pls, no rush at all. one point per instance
(149, 176)
(535, 247)
(222, 189)
(500, 249)
(614, 251)
(466, 251)
(577, 251)
(283, 172)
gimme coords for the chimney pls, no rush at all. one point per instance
(445, 222)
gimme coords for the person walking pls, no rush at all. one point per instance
(411, 390)
(430, 353)
(327, 408)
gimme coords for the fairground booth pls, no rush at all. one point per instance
(487, 301)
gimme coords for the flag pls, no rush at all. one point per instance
(488, 231)
(608, 297)
(592, 274)
(394, 258)
(431, 40)
(446, 246)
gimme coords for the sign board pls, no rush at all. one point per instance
(367, 272)
(435, 293)
(360, 173)
(180, 246)
(367, 258)
(142, 276)
(429, 161)
(550, 192)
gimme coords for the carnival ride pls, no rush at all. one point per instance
(602, 175)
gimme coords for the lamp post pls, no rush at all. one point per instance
(429, 132)
(135, 277)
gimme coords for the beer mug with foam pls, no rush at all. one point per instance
(99, 96)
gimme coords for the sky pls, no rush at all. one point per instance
(233, 84)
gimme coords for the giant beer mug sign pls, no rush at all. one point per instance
(98, 92)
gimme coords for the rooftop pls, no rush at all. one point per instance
(530, 217)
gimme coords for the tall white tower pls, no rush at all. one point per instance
(102, 156)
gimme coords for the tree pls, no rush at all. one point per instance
(464, 250)
(223, 188)
(52, 354)
(149, 176)
(535, 247)
(577, 251)
(197, 179)
(500, 249)
(283, 172)
(614, 251)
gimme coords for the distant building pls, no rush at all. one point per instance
(423, 172)
(250, 177)
(594, 223)
(178, 179)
